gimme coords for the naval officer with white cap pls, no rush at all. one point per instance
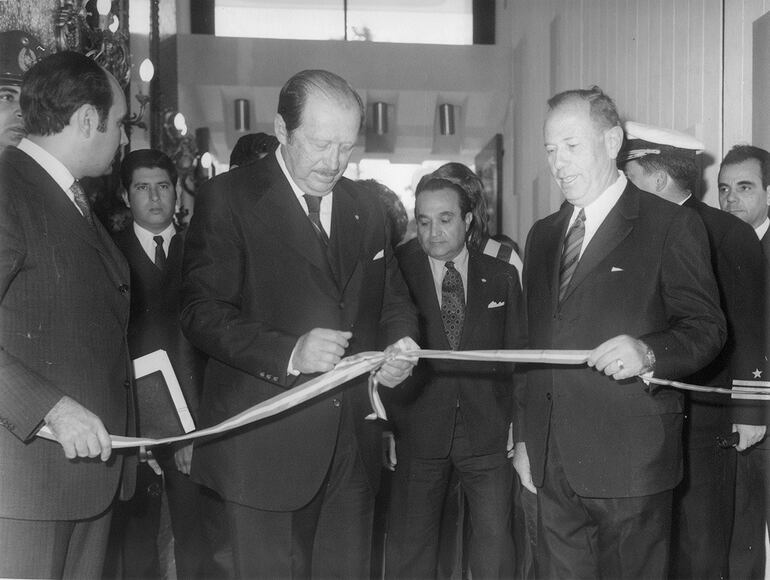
(664, 162)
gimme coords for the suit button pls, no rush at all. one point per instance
(123, 288)
(127, 384)
(548, 396)
(337, 402)
(342, 305)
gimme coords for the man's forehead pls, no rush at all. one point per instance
(747, 170)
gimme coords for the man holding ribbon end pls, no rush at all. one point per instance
(288, 268)
(624, 273)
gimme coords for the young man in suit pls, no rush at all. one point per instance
(454, 415)
(288, 268)
(626, 276)
(744, 191)
(663, 162)
(153, 249)
(64, 306)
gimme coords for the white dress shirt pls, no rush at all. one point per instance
(762, 230)
(147, 242)
(598, 209)
(326, 200)
(438, 269)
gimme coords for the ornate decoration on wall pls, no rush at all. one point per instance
(98, 34)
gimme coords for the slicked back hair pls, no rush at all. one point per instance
(682, 168)
(57, 86)
(294, 95)
(603, 111)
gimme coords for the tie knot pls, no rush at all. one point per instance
(581, 216)
(313, 203)
(158, 241)
(450, 265)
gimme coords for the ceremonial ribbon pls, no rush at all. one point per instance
(356, 365)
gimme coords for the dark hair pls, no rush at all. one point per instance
(432, 183)
(146, 158)
(394, 209)
(602, 108)
(252, 147)
(295, 92)
(57, 86)
(473, 187)
(741, 153)
(681, 167)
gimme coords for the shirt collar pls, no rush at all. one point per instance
(55, 168)
(460, 261)
(762, 229)
(145, 236)
(598, 209)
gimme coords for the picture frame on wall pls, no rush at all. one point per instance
(489, 168)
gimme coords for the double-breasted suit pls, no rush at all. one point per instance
(455, 415)
(646, 273)
(64, 307)
(257, 278)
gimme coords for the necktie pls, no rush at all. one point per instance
(81, 200)
(160, 255)
(571, 252)
(314, 213)
(452, 305)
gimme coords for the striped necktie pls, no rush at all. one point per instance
(573, 241)
(314, 213)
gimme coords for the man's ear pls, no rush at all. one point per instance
(124, 195)
(613, 141)
(280, 129)
(661, 180)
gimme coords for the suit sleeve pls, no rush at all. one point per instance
(696, 330)
(25, 396)
(213, 316)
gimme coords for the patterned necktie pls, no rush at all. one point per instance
(81, 200)
(571, 252)
(314, 213)
(452, 305)
(160, 255)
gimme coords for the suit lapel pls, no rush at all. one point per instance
(279, 211)
(348, 224)
(553, 240)
(614, 229)
(474, 304)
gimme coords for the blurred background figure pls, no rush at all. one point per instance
(18, 52)
(394, 209)
(252, 147)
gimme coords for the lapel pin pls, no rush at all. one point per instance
(483, 279)
(355, 216)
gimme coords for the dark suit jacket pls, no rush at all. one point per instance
(64, 303)
(425, 414)
(256, 278)
(737, 262)
(646, 273)
(154, 325)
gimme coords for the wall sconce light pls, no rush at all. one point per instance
(380, 118)
(146, 72)
(446, 119)
(242, 115)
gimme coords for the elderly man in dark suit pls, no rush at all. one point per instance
(744, 191)
(153, 249)
(288, 268)
(626, 274)
(663, 162)
(64, 304)
(454, 415)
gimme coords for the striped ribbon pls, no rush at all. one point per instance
(368, 362)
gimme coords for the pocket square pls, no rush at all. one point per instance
(494, 304)
(616, 269)
(378, 255)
